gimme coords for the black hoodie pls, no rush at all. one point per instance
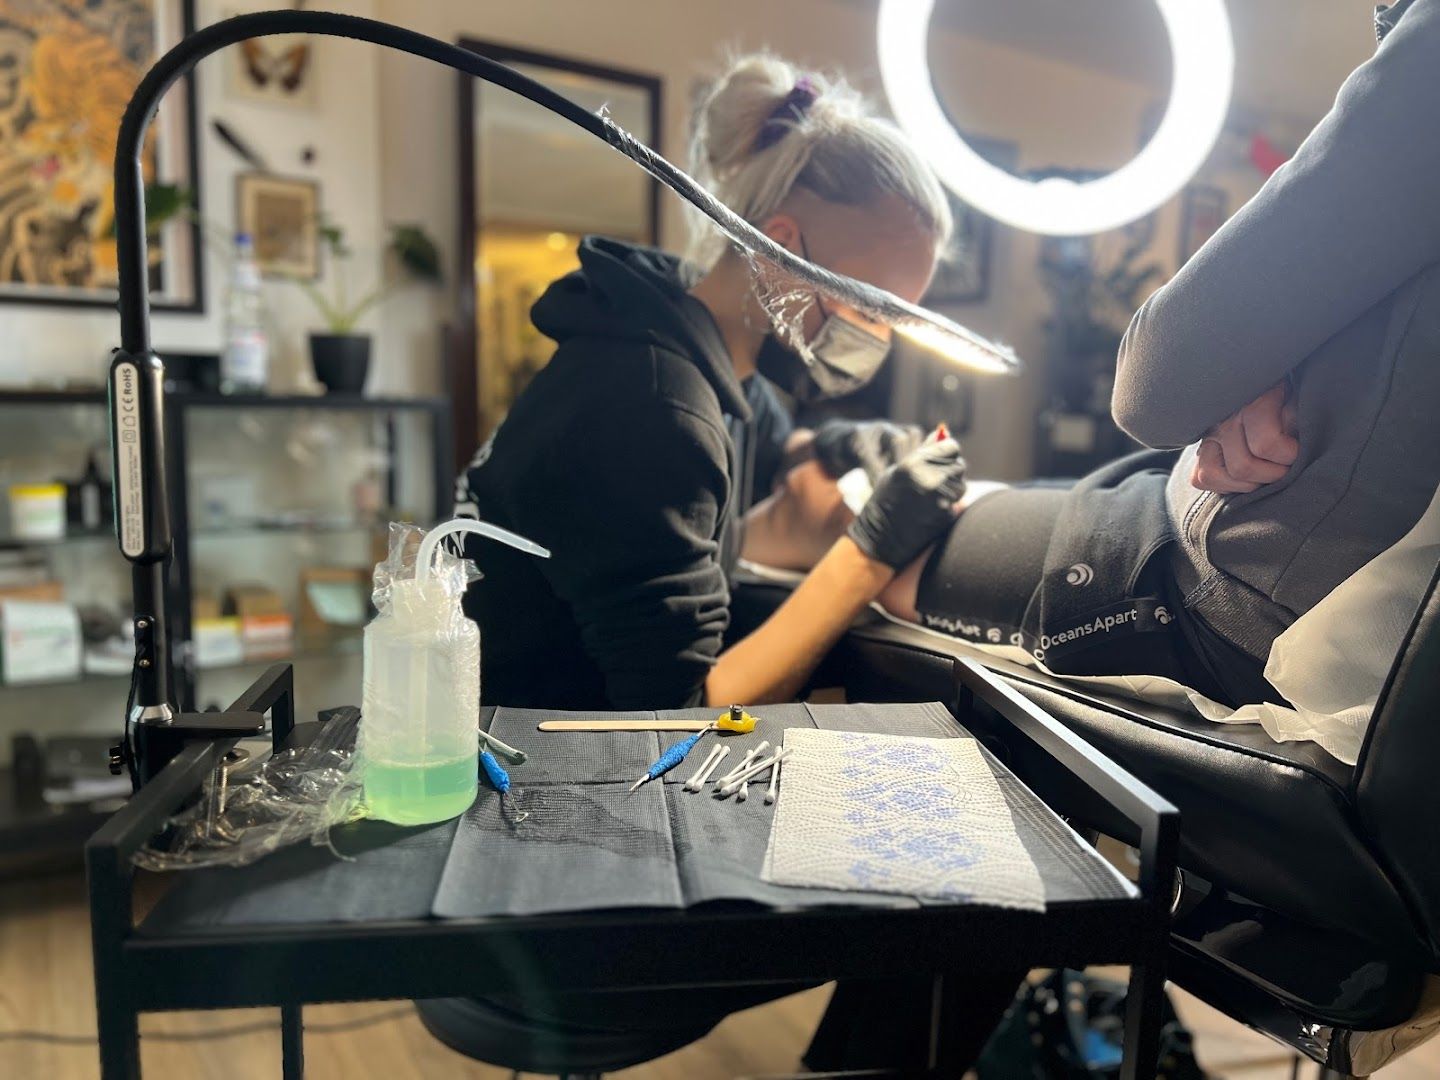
(627, 457)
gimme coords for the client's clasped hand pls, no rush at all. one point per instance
(1254, 447)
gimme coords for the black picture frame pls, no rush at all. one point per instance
(1204, 208)
(463, 343)
(249, 187)
(963, 275)
(184, 98)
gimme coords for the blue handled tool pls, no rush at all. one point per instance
(495, 771)
(668, 760)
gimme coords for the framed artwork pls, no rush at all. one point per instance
(963, 276)
(67, 71)
(277, 70)
(282, 216)
(1205, 209)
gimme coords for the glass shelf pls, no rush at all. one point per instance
(348, 645)
(265, 492)
(230, 528)
(13, 543)
(288, 528)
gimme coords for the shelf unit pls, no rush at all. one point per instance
(296, 462)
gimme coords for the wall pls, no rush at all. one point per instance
(1065, 115)
(60, 344)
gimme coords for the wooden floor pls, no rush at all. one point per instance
(45, 986)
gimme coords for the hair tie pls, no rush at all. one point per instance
(789, 112)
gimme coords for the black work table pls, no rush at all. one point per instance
(478, 905)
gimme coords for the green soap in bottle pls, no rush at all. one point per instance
(419, 742)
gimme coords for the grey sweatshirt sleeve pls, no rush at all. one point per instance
(1354, 215)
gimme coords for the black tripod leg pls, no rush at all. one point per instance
(292, 1042)
(1144, 1007)
(964, 1011)
(119, 1040)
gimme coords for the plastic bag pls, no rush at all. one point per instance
(450, 570)
(250, 809)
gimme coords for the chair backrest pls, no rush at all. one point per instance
(1396, 786)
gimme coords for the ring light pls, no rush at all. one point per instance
(1204, 70)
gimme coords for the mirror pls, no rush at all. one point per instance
(531, 186)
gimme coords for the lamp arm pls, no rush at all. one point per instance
(873, 302)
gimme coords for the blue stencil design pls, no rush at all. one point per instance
(898, 814)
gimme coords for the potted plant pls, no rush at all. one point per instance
(341, 355)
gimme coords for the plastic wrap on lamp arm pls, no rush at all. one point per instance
(930, 329)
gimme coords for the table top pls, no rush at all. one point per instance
(585, 846)
(471, 907)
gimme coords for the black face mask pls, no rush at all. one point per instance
(846, 359)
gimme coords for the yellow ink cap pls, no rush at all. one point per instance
(735, 719)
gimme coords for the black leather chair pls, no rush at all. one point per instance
(1310, 902)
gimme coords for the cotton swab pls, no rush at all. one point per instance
(748, 759)
(724, 789)
(770, 792)
(709, 760)
(709, 765)
(744, 792)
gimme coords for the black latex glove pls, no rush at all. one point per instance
(913, 503)
(872, 445)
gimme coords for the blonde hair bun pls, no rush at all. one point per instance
(765, 127)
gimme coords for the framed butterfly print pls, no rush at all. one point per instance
(275, 70)
(67, 71)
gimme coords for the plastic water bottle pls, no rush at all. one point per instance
(245, 362)
(419, 738)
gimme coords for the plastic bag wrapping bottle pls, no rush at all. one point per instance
(419, 730)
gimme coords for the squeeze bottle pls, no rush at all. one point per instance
(419, 740)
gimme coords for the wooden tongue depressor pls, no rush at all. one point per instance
(734, 719)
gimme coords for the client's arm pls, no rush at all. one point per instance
(1335, 230)
(773, 663)
(798, 522)
(913, 504)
